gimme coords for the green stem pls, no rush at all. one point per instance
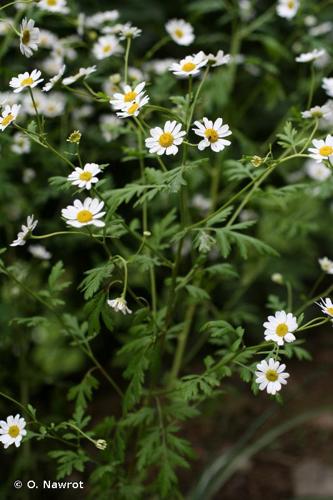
(128, 46)
(160, 43)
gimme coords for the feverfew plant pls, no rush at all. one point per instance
(183, 192)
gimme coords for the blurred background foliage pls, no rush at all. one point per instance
(268, 89)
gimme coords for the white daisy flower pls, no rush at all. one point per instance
(326, 306)
(271, 376)
(287, 8)
(279, 328)
(119, 305)
(127, 31)
(135, 74)
(317, 171)
(321, 29)
(129, 95)
(84, 214)
(219, 59)
(24, 80)
(59, 6)
(159, 66)
(8, 115)
(166, 140)
(190, 65)
(29, 37)
(85, 177)
(26, 230)
(54, 105)
(101, 17)
(106, 46)
(12, 430)
(322, 150)
(51, 83)
(327, 85)
(83, 72)
(324, 111)
(20, 144)
(47, 39)
(213, 134)
(310, 56)
(39, 252)
(28, 105)
(326, 265)
(5, 25)
(133, 108)
(180, 31)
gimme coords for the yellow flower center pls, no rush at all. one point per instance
(27, 81)
(130, 96)
(271, 375)
(84, 216)
(179, 33)
(7, 120)
(85, 176)
(211, 135)
(329, 310)
(132, 109)
(189, 66)
(51, 2)
(326, 150)
(107, 48)
(291, 4)
(166, 140)
(281, 330)
(14, 431)
(26, 37)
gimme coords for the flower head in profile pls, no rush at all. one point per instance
(327, 85)
(326, 265)
(279, 327)
(29, 37)
(119, 305)
(133, 108)
(127, 30)
(83, 214)
(219, 59)
(323, 149)
(271, 376)
(26, 230)
(180, 31)
(212, 134)
(165, 140)
(129, 96)
(326, 306)
(189, 66)
(83, 72)
(24, 80)
(8, 115)
(12, 430)
(287, 8)
(51, 83)
(56, 6)
(85, 177)
(324, 111)
(310, 56)
(106, 46)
